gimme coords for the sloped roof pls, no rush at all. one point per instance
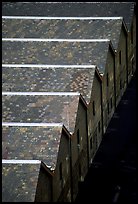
(124, 9)
(49, 79)
(56, 52)
(27, 141)
(63, 28)
(19, 182)
(44, 108)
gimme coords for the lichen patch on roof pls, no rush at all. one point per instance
(108, 28)
(74, 9)
(41, 109)
(19, 182)
(31, 143)
(55, 53)
(49, 80)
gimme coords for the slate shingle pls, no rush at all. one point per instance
(38, 109)
(19, 182)
(84, 9)
(58, 79)
(63, 29)
(31, 143)
(56, 53)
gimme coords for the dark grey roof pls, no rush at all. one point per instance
(63, 29)
(124, 9)
(49, 79)
(41, 109)
(31, 143)
(56, 53)
(19, 182)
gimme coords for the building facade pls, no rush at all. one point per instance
(27, 146)
(39, 107)
(62, 79)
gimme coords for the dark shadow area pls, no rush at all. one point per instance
(112, 175)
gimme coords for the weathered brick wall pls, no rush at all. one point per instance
(77, 172)
(59, 184)
(110, 89)
(93, 120)
(131, 41)
(81, 123)
(75, 179)
(129, 56)
(65, 195)
(79, 152)
(134, 41)
(123, 66)
(62, 187)
(44, 187)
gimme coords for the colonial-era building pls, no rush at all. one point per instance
(127, 10)
(41, 107)
(91, 52)
(84, 79)
(62, 80)
(112, 28)
(24, 146)
(68, 52)
(21, 181)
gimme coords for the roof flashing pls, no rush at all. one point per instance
(15, 161)
(48, 66)
(19, 124)
(41, 93)
(53, 40)
(60, 18)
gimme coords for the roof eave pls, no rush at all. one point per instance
(50, 172)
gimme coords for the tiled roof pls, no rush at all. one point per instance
(48, 79)
(19, 182)
(41, 109)
(63, 28)
(31, 143)
(124, 9)
(60, 53)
